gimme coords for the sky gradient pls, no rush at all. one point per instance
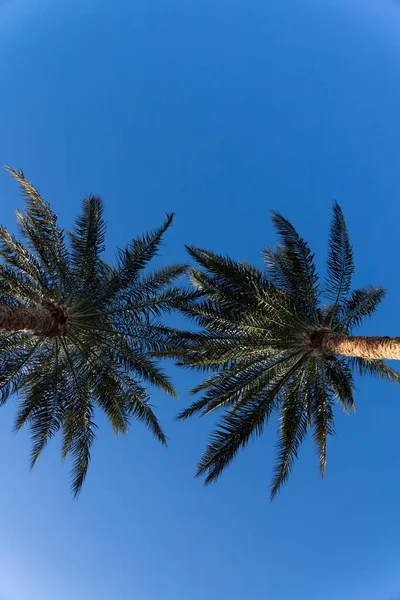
(219, 111)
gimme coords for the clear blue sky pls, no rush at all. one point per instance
(219, 110)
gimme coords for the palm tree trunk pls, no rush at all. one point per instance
(37, 318)
(328, 343)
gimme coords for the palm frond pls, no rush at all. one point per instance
(293, 429)
(87, 245)
(322, 414)
(238, 383)
(118, 352)
(41, 404)
(79, 426)
(134, 257)
(39, 227)
(246, 419)
(295, 263)
(141, 410)
(340, 262)
(18, 257)
(130, 398)
(340, 380)
(376, 368)
(234, 432)
(15, 367)
(231, 279)
(16, 286)
(360, 306)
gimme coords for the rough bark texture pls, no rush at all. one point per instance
(325, 342)
(48, 320)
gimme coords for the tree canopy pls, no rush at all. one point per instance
(114, 314)
(258, 340)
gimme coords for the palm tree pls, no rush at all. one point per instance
(77, 333)
(274, 342)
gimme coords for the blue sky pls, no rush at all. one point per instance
(219, 111)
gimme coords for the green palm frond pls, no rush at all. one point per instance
(291, 267)
(234, 432)
(340, 262)
(322, 413)
(242, 422)
(237, 382)
(340, 380)
(106, 358)
(293, 428)
(232, 280)
(360, 305)
(18, 257)
(16, 364)
(39, 228)
(42, 406)
(376, 368)
(134, 258)
(17, 288)
(87, 245)
(79, 434)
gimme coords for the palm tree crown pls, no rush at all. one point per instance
(259, 338)
(106, 324)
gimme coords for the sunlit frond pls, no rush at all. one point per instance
(39, 227)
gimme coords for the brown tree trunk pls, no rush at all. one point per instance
(325, 342)
(48, 320)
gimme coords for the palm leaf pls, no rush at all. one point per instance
(340, 262)
(297, 267)
(18, 257)
(377, 368)
(322, 415)
(360, 306)
(87, 245)
(340, 380)
(243, 421)
(134, 257)
(293, 429)
(39, 227)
